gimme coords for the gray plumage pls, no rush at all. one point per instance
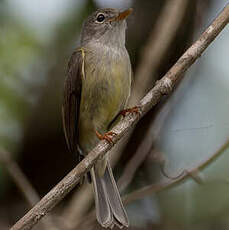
(97, 88)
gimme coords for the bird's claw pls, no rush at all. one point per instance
(106, 136)
(135, 109)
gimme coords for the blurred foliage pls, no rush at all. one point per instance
(19, 49)
(32, 72)
(25, 62)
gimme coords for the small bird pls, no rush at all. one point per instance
(96, 90)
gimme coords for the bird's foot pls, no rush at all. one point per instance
(135, 109)
(106, 136)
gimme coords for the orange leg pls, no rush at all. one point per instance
(135, 109)
(107, 136)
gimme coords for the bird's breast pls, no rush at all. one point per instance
(105, 90)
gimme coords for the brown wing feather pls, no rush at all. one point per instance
(72, 96)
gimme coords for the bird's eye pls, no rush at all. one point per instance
(100, 18)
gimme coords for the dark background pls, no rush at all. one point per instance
(36, 40)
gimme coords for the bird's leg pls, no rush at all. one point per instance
(134, 109)
(106, 136)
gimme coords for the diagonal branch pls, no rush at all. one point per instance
(160, 38)
(24, 185)
(151, 99)
(145, 147)
(158, 43)
(193, 173)
(19, 178)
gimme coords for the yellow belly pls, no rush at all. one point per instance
(105, 91)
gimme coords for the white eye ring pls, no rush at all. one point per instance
(100, 18)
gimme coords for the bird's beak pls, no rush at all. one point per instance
(123, 15)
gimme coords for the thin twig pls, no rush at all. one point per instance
(155, 188)
(145, 147)
(19, 178)
(82, 200)
(23, 184)
(78, 206)
(164, 86)
(159, 41)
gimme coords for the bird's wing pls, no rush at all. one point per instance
(72, 97)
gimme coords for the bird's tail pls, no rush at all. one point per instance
(109, 207)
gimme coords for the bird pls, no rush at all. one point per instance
(96, 91)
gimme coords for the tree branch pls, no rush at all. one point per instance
(24, 185)
(19, 178)
(193, 173)
(74, 212)
(158, 43)
(159, 40)
(145, 147)
(156, 188)
(78, 206)
(164, 86)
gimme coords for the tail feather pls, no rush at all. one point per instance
(115, 201)
(103, 212)
(109, 208)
